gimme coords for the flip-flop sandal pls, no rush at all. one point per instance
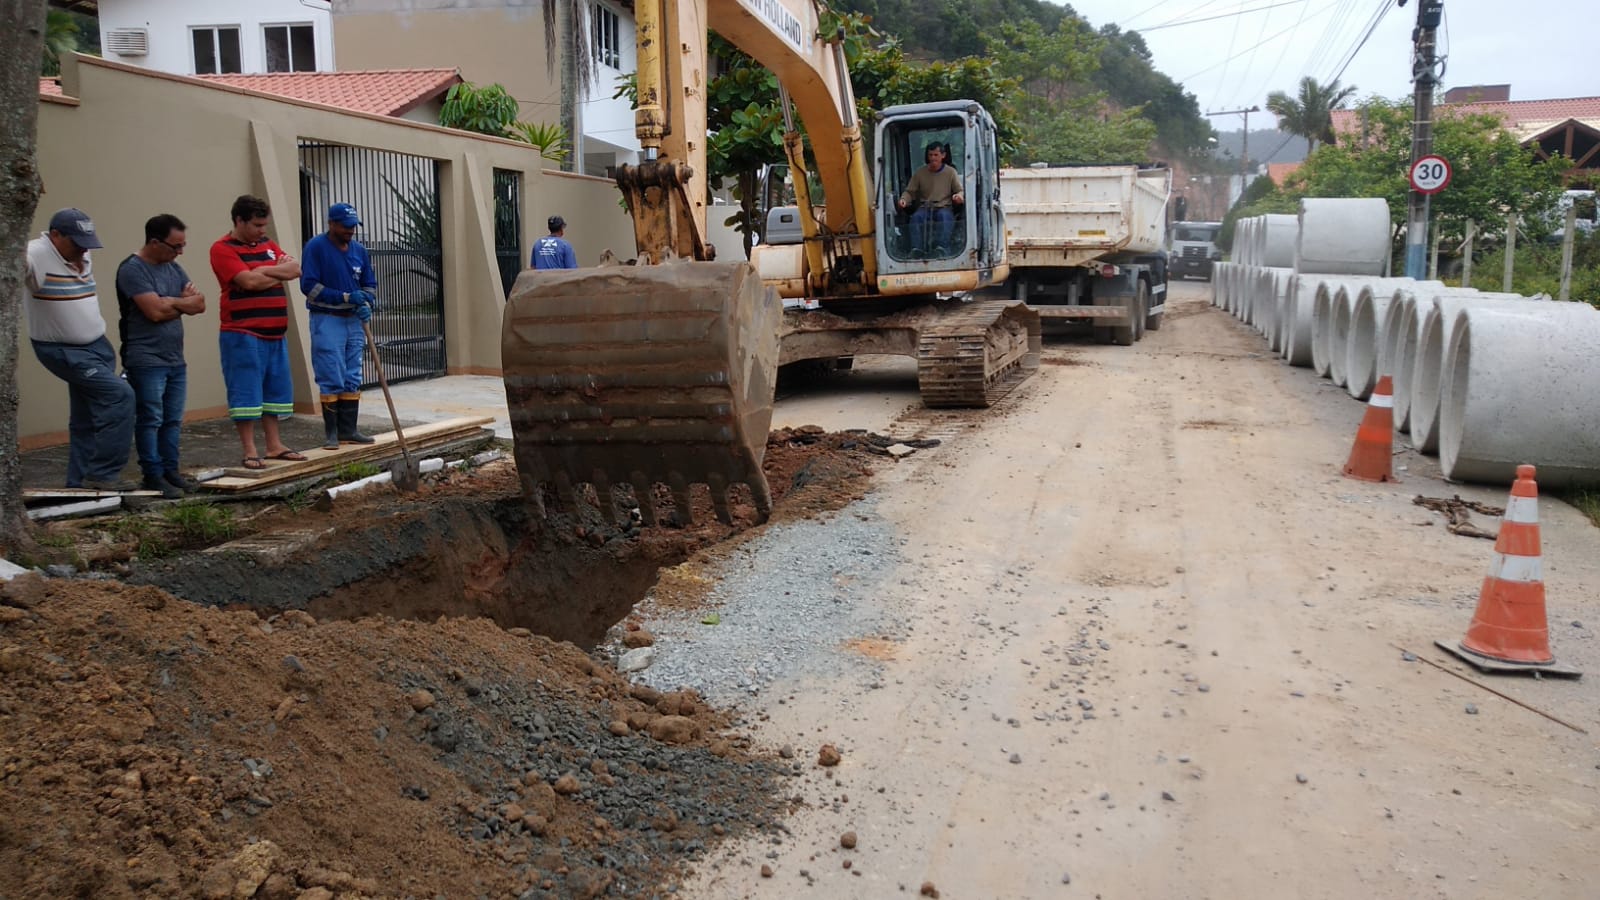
(254, 462)
(289, 456)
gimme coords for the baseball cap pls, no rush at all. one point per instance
(74, 223)
(344, 214)
(556, 223)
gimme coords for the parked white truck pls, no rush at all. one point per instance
(1087, 245)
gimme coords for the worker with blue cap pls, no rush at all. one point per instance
(341, 292)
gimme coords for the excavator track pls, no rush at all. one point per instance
(638, 376)
(974, 356)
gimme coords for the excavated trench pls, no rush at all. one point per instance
(471, 546)
(449, 556)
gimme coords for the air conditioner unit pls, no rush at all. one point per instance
(128, 41)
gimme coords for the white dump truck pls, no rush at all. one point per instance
(1087, 245)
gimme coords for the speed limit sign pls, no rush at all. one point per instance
(1430, 174)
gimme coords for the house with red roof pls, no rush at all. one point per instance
(1568, 127)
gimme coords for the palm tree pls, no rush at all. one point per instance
(1310, 115)
(60, 38)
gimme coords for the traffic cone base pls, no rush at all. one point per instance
(1372, 457)
(1494, 666)
(1509, 631)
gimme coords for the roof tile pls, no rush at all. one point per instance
(384, 92)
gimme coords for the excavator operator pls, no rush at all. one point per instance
(933, 188)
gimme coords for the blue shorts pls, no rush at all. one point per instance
(256, 371)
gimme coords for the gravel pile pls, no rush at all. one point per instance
(817, 586)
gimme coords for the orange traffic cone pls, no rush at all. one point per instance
(1509, 632)
(1372, 457)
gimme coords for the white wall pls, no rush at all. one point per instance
(608, 123)
(169, 21)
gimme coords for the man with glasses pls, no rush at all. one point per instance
(154, 294)
(69, 338)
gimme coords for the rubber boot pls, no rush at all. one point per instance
(330, 425)
(349, 410)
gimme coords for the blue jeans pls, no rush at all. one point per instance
(944, 222)
(100, 420)
(337, 343)
(159, 392)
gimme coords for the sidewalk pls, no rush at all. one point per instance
(214, 443)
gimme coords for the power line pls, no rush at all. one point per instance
(1235, 13)
(1383, 10)
(1248, 49)
(1251, 61)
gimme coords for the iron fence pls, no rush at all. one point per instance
(397, 197)
(508, 226)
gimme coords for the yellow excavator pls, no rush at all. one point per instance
(661, 375)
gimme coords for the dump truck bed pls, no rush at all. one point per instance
(1070, 215)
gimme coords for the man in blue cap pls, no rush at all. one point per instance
(341, 289)
(552, 251)
(69, 338)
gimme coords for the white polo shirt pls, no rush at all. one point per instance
(63, 307)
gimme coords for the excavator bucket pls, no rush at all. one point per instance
(642, 376)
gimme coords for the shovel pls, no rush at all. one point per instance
(405, 474)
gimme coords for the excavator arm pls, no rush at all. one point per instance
(668, 209)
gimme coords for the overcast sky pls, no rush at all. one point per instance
(1235, 61)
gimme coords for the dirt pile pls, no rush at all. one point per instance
(156, 747)
(150, 747)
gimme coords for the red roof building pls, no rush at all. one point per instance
(382, 92)
(1567, 127)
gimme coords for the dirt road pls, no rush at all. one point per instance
(1147, 650)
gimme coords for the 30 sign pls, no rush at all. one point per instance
(1430, 174)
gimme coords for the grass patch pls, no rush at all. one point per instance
(1585, 500)
(145, 536)
(200, 522)
(301, 500)
(355, 471)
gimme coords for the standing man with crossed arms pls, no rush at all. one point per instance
(340, 289)
(253, 272)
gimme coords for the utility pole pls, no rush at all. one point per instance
(1425, 77)
(1244, 152)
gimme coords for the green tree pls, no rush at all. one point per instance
(61, 36)
(493, 111)
(1493, 173)
(1309, 114)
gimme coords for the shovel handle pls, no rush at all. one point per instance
(383, 382)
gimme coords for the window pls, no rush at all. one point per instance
(216, 50)
(291, 48)
(607, 37)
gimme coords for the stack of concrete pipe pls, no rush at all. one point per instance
(1486, 380)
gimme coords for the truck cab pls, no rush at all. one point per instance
(1192, 249)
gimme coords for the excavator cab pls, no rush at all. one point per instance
(923, 237)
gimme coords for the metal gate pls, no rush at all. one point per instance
(397, 196)
(508, 225)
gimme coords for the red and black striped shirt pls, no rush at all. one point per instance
(264, 314)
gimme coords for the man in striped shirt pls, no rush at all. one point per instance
(69, 338)
(252, 271)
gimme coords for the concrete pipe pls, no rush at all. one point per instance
(1219, 284)
(1297, 313)
(1342, 236)
(1247, 306)
(1437, 327)
(1364, 349)
(1323, 311)
(1339, 332)
(1283, 283)
(1518, 391)
(1274, 287)
(1278, 234)
(1405, 337)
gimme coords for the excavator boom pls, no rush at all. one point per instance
(663, 373)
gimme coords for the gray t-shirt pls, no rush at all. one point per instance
(147, 343)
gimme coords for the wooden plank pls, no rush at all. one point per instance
(86, 507)
(319, 458)
(38, 494)
(328, 461)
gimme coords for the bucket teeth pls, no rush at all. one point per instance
(640, 376)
